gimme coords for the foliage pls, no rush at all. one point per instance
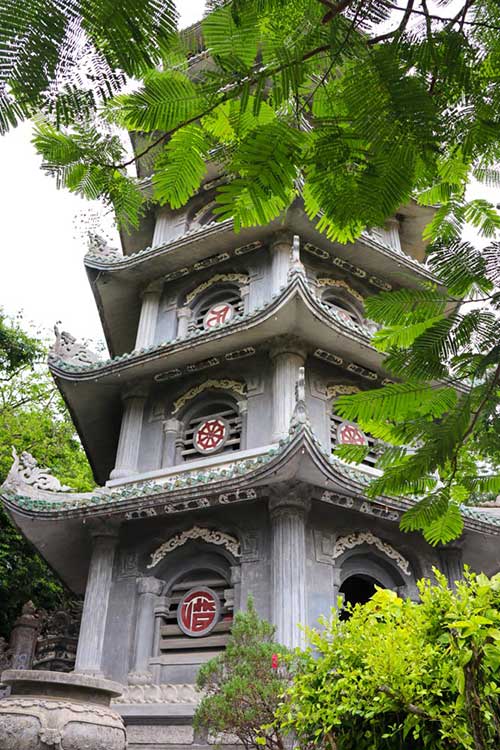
(244, 684)
(404, 674)
(66, 56)
(447, 409)
(32, 418)
(355, 105)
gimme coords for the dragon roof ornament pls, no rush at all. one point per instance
(25, 471)
(98, 247)
(68, 350)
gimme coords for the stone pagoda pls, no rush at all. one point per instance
(211, 430)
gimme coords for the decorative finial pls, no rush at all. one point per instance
(300, 415)
(297, 267)
(25, 471)
(68, 349)
(100, 248)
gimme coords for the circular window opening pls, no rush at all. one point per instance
(357, 589)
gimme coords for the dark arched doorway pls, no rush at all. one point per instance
(357, 589)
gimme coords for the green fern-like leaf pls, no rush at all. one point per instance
(180, 167)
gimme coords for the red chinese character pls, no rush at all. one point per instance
(198, 612)
(210, 435)
(350, 434)
(218, 314)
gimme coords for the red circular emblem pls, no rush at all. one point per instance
(218, 314)
(211, 435)
(198, 612)
(350, 434)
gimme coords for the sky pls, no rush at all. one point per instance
(42, 235)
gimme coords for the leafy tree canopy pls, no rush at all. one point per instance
(357, 105)
(33, 418)
(404, 674)
(447, 407)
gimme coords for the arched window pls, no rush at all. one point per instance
(357, 589)
(199, 614)
(343, 432)
(341, 304)
(218, 306)
(211, 426)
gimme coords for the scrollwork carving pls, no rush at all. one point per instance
(219, 278)
(69, 350)
(25, 470)
(350, 541)
(210, 536)
(235, 386)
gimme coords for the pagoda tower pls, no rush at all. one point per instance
(210, 431)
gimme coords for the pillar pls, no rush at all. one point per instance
(392, 229)
(452, 564)
(148, 589)
(127, 455)
(89, 655)
(147, 321)
(171, 431)
(183, 317)
(288, 507)
(288, 356)
(281, 259)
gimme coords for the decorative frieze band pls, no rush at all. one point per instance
(165, 693)
(360, 273)
(235, 386)
(210, 536)
(334, 359)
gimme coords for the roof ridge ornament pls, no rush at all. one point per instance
(296, 266)
(300, 414)
(66, 348)
(98, 247)
(25, 471)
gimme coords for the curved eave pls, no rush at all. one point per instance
(275, 318)
(92, 394)
(59, 532)
(117, 283)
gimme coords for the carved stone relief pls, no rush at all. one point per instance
(235, 386)
(350, 541)
(25, 470)
(68, 349)
(210, 536)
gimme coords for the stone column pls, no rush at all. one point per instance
(392, 229)
(23, 638)
(148, 589)
(452, 564)
(171, 431)
(149, 315)
(288, 357)
(89, 655)
(281, 257)
(288, 509)
(243, 410)
(245, 297)
(183, 317)
(127, 455)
